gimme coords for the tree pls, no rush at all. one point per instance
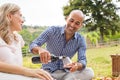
(27, 36)
(101, 14)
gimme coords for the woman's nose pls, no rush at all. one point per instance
(23, 19)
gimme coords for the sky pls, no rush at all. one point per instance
(43, 12)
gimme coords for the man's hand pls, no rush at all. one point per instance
(74, 66)
(45, 56)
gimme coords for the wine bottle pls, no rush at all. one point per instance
(36, 59)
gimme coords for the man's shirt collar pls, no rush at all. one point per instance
(63, 32)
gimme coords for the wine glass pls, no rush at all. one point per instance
(66, 61)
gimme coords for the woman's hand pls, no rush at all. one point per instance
(38, 73)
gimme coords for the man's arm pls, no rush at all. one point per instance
(36, 50)
(82, 61)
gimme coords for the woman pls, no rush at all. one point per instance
(10, 47)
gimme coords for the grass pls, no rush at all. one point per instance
(97, 58)
(100, 60)
(28, 63)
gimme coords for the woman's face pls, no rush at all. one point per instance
(16, 21)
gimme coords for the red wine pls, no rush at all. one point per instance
(67, 68)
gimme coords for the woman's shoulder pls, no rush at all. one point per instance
(2, 42)
(17, 35)
(20, 39)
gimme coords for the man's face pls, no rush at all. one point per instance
(73, 23)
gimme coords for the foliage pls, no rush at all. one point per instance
(25, 50)
(115, 37)
(101, 15)
(111, 37)
(93, 37)
(29, 34)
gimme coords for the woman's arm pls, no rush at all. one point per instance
(9, 68)
(13, 69)
(7, 65)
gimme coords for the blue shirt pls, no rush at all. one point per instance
(54, 37)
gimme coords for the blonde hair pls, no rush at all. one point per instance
(6, 9)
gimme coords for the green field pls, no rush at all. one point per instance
(97, 58)
(100, 60)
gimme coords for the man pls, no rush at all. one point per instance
(64, 41)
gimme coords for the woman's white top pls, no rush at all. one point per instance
(12, 54)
